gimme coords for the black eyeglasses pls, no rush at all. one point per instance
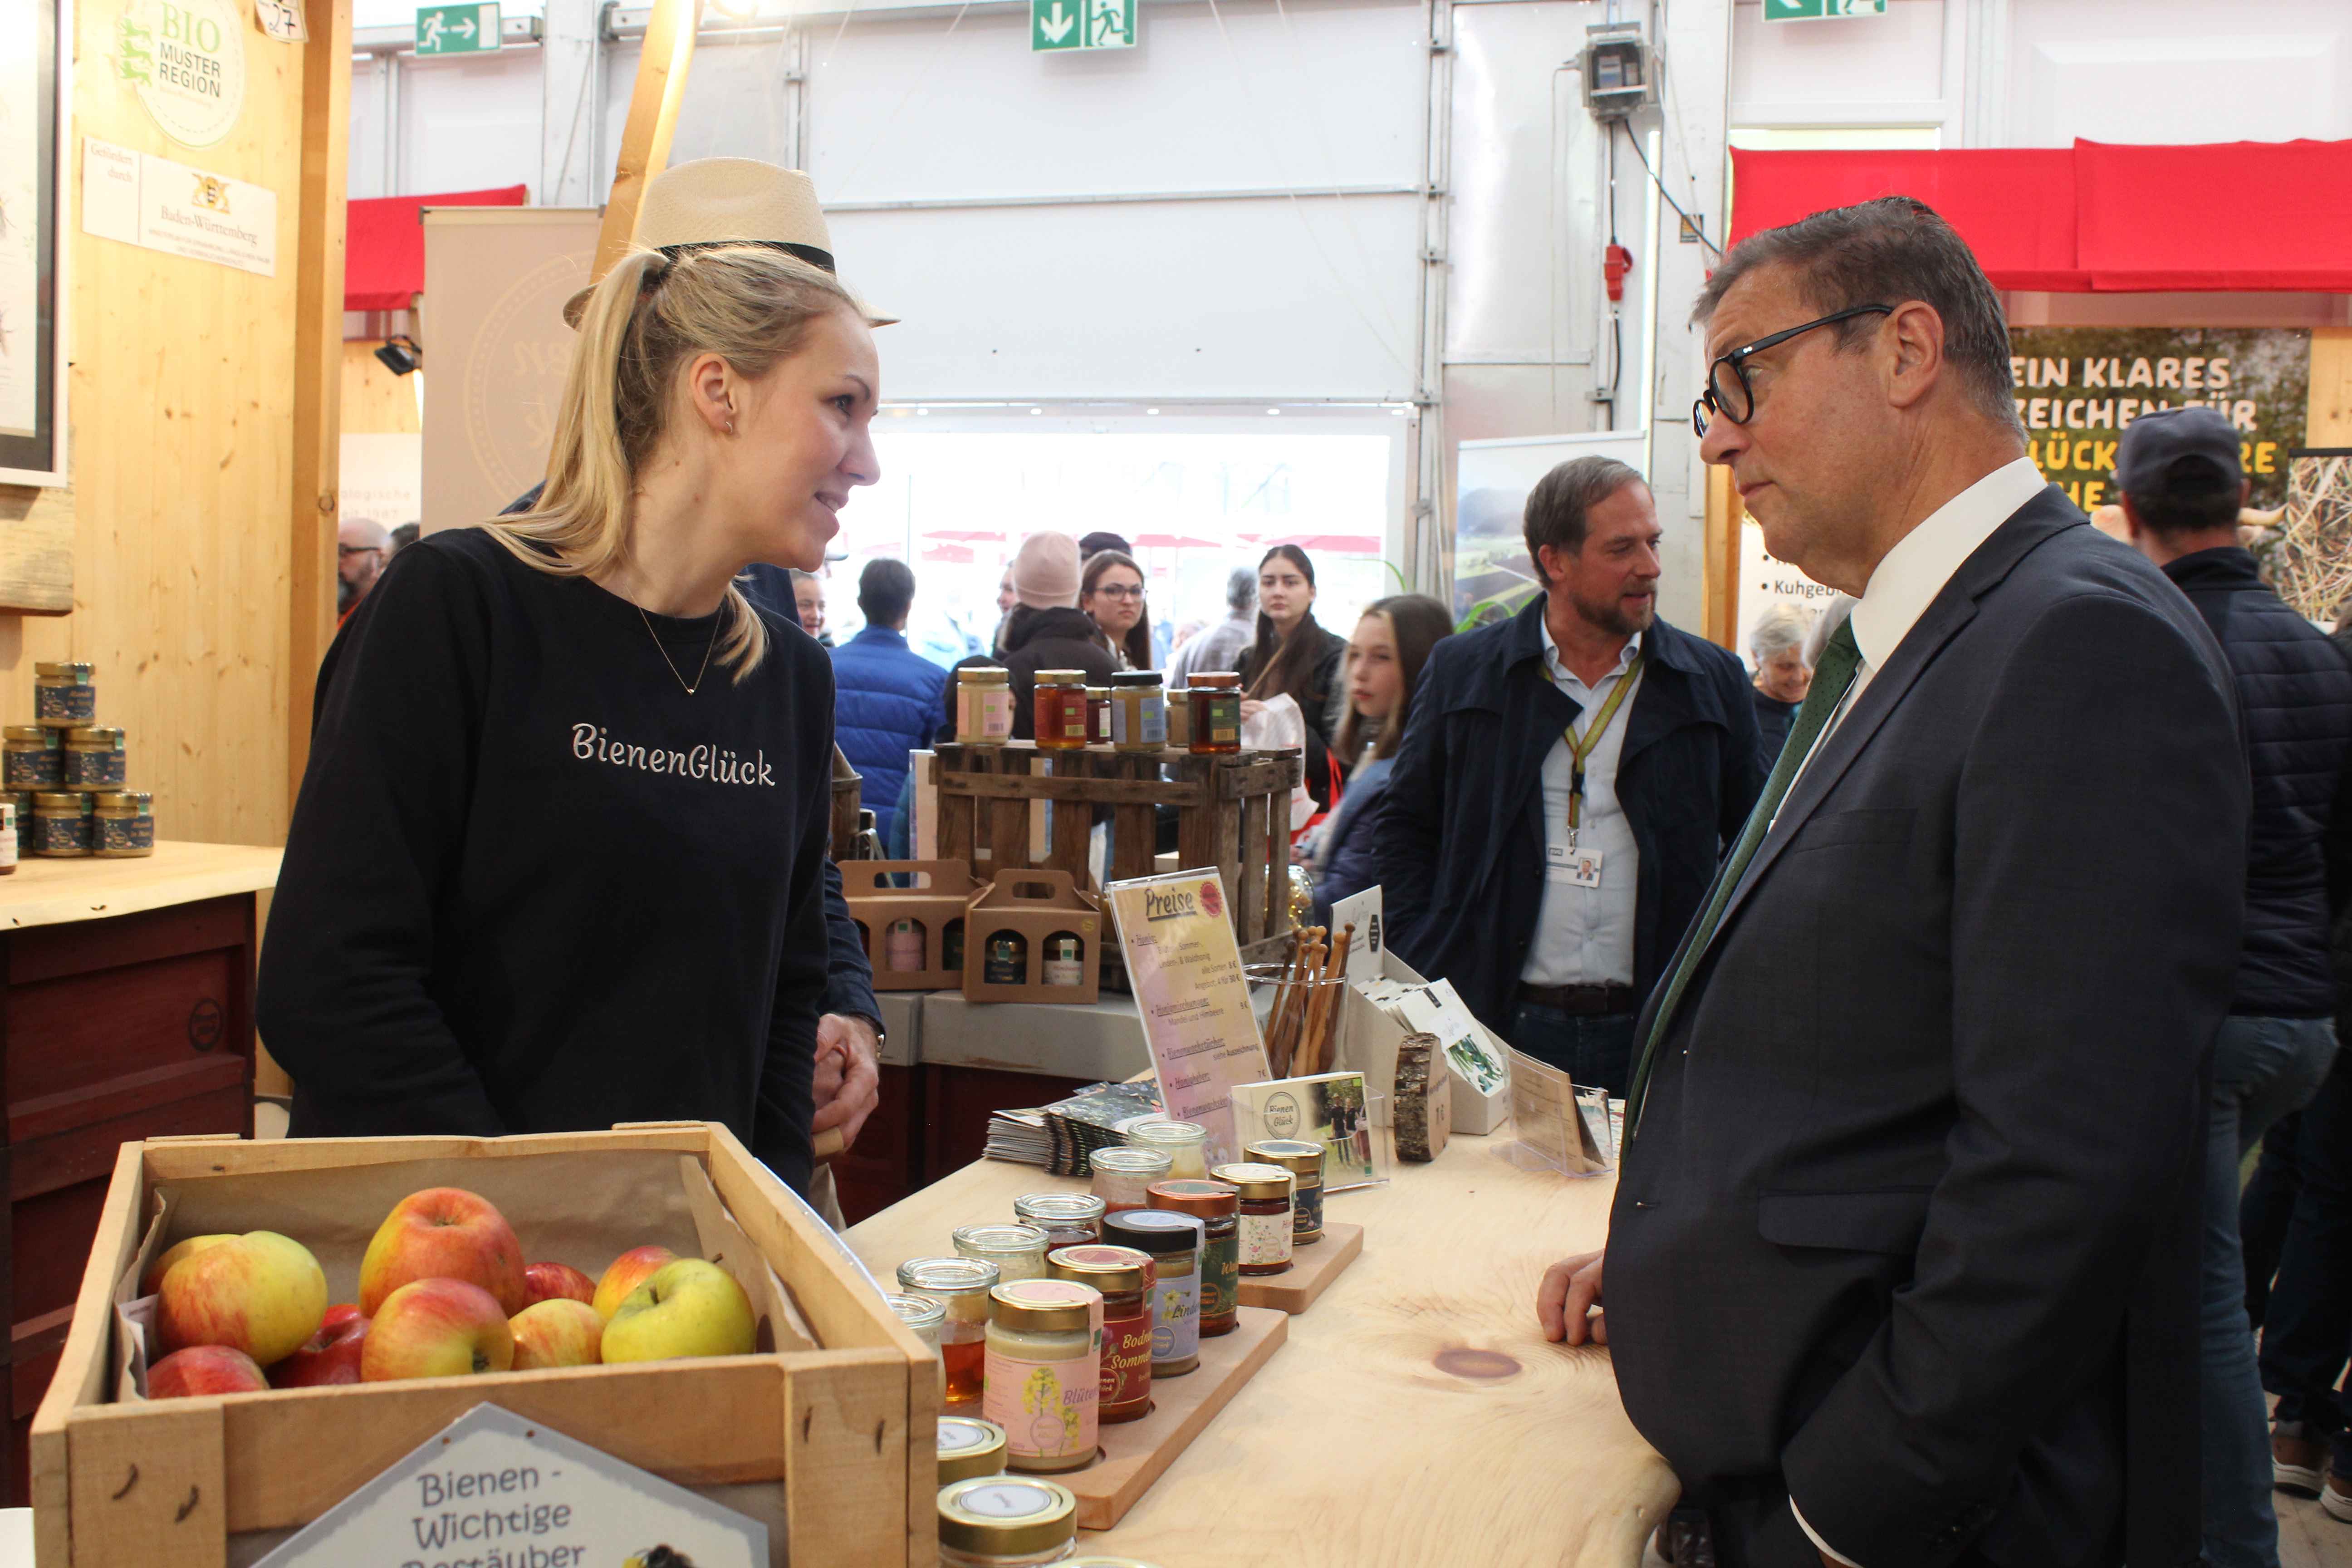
(1727, 392)
(1113, 591)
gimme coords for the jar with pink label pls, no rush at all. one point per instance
(1045, 1372)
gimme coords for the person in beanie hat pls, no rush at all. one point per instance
(1046, 629)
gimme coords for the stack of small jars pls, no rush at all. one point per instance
(992, 1519)
(64, 775)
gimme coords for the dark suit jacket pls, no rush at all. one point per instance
(1460, 842)
(1908, 1227)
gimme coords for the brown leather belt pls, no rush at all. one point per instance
(1582, 999)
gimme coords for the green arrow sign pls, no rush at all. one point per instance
(1081, 25)
(456, 29)
(1814, 10)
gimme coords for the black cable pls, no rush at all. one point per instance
(1662, 192)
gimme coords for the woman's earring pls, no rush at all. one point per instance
(731, 427)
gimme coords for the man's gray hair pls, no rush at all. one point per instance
(1777, 630)
(1887, 252)
(1241, 590)
(1557, 506)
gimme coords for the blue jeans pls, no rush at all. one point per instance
(1594, 1049)
(2262, 1069)
(2307, 1322)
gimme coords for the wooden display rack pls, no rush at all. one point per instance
(1035, 905)
(1231, 812)
(876, 905)
(832, 1443)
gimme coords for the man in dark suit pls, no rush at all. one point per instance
(1903, 1266)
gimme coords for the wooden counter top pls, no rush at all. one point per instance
(52, 892)
(1356, 1446)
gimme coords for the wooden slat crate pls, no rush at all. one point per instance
(1231, 812)
(834, 1445)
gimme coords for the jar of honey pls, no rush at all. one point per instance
(1126, 1278)
(34, 758)
(1216, 700)
(1098, 715)
(984, 706)
(1139, 710)
(962, 1286)
(1265, 1221)
(1063, 723)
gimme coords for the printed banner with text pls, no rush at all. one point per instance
(1186, 970)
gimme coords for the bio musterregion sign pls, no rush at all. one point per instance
(2079, 388)
(185, 60)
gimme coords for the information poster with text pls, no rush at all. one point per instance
(1186, 970)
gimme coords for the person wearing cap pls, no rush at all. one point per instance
(2181, 486)
(559, 856)
(1046, 630)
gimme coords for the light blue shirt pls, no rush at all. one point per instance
(1584, 936)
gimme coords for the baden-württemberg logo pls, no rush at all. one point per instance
(185, 60)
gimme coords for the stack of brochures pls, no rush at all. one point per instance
(1061, 1136)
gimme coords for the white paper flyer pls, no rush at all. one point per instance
(1186, 970)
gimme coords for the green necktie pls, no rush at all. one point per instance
(1831, 679)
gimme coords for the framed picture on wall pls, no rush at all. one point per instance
(36, 118)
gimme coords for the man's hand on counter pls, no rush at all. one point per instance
(848, 1079)
(1569, 1299)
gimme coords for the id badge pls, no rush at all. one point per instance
(1573, 864)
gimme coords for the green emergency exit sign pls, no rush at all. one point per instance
(1815, 10)
(456, 29)
(1081, 25)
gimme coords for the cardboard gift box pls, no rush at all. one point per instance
(1033, 907)
(935, 905)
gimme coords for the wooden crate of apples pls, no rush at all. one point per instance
(444, 1292)
(316, 1309)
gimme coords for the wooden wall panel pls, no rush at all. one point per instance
(375, 401)
(183, 404)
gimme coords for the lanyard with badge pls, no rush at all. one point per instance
(1570, 862)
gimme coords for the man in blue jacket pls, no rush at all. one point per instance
(887, 696)
(1567, 783)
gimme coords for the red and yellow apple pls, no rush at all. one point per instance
(330, 1357)
(628, 1271)
(443, 1232)
(436, 1327)
(261, 1293)
(556, 1282)
(688, 1308)
(153, 1279)
(204, 1369)
(559, 1331)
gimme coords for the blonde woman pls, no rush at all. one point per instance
(557, 860)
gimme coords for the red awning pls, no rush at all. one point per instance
(383, 244)
(2095, 216)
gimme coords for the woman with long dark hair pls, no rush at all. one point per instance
(1294, 656)
(1384, 661)
(1111, 594)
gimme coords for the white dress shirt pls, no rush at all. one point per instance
(1584, 936)
(1907, 580)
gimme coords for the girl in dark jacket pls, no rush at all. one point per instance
(1384, 659)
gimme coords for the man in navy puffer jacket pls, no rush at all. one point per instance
(2182, 482)
(885, 696)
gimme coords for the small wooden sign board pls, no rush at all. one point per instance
(491, 1487)
(1137, 1453)
(1312, 1269)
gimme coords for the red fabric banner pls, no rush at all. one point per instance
(2276, 215)
(383, 244)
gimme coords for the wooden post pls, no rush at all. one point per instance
(2328, 421)
(1720, 613)
(653, 116)
(316, 513)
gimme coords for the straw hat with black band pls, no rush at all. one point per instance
(731, 201)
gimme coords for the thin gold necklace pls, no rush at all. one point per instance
(672, 663)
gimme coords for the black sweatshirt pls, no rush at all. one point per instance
(532, 886)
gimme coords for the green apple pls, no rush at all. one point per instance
(688, 1308)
